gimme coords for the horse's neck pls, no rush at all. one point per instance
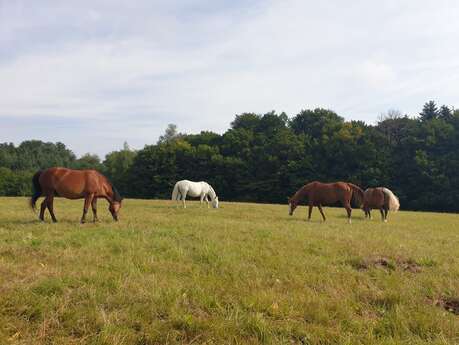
(302, 193)
(211, 192)
(110, 195)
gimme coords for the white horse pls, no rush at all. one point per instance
(202, 189)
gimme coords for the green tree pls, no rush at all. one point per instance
(117, 165)
(316, 123)
(88, 161)
(170, 134)
(429, 111)
(445, 113)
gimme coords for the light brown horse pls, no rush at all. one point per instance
(319, 194)
(74, 184)
(381, 198)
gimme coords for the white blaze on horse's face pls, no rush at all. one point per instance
(215, 202)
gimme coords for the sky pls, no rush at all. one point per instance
(94, 74)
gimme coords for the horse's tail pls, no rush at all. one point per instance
(393, 202)
(36, 188)
(175, 192)
(357, 195)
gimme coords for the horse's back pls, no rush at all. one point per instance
(327, 193)
(330, 186)
(192, 188)
(373, 197)
(70, 183)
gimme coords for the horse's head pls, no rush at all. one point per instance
(292, 204)
(114, 209)
(215, 202)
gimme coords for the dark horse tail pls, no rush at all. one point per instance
(357, 195)
(36, 187)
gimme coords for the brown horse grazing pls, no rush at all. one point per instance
(381, 198)
(318, 194)
(74, 184)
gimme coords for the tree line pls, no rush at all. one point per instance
(266, 157)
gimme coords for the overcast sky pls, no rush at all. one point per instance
(93, 74)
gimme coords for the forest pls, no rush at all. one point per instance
(267, 157)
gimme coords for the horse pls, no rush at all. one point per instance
(74, 184)
(381, 198)
(318, 194)
(202, 189)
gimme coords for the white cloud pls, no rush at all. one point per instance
(378, 74)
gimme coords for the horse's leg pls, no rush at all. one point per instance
(183, 199)
(94, 210)
(348, 208)
(177, 201)
(382, 214)
(207, 199)
(49, 204)
(321, 212)
(310, 212)
(367, 213)
(346, 201)
(87, 202)
(42, 209)
(386, 211)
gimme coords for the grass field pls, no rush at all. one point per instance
(242, 274)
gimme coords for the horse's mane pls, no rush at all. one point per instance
(116, 195)
(212, 190)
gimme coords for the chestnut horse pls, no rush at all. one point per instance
(318, 194)
(74, 184)
(381, 198)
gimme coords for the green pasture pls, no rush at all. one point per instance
(242, 274)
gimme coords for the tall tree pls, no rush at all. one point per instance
(445, 113)
(429, 111)
(170, 134)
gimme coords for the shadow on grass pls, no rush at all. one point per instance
(305, 220)
(60, 222)
(353, 217)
